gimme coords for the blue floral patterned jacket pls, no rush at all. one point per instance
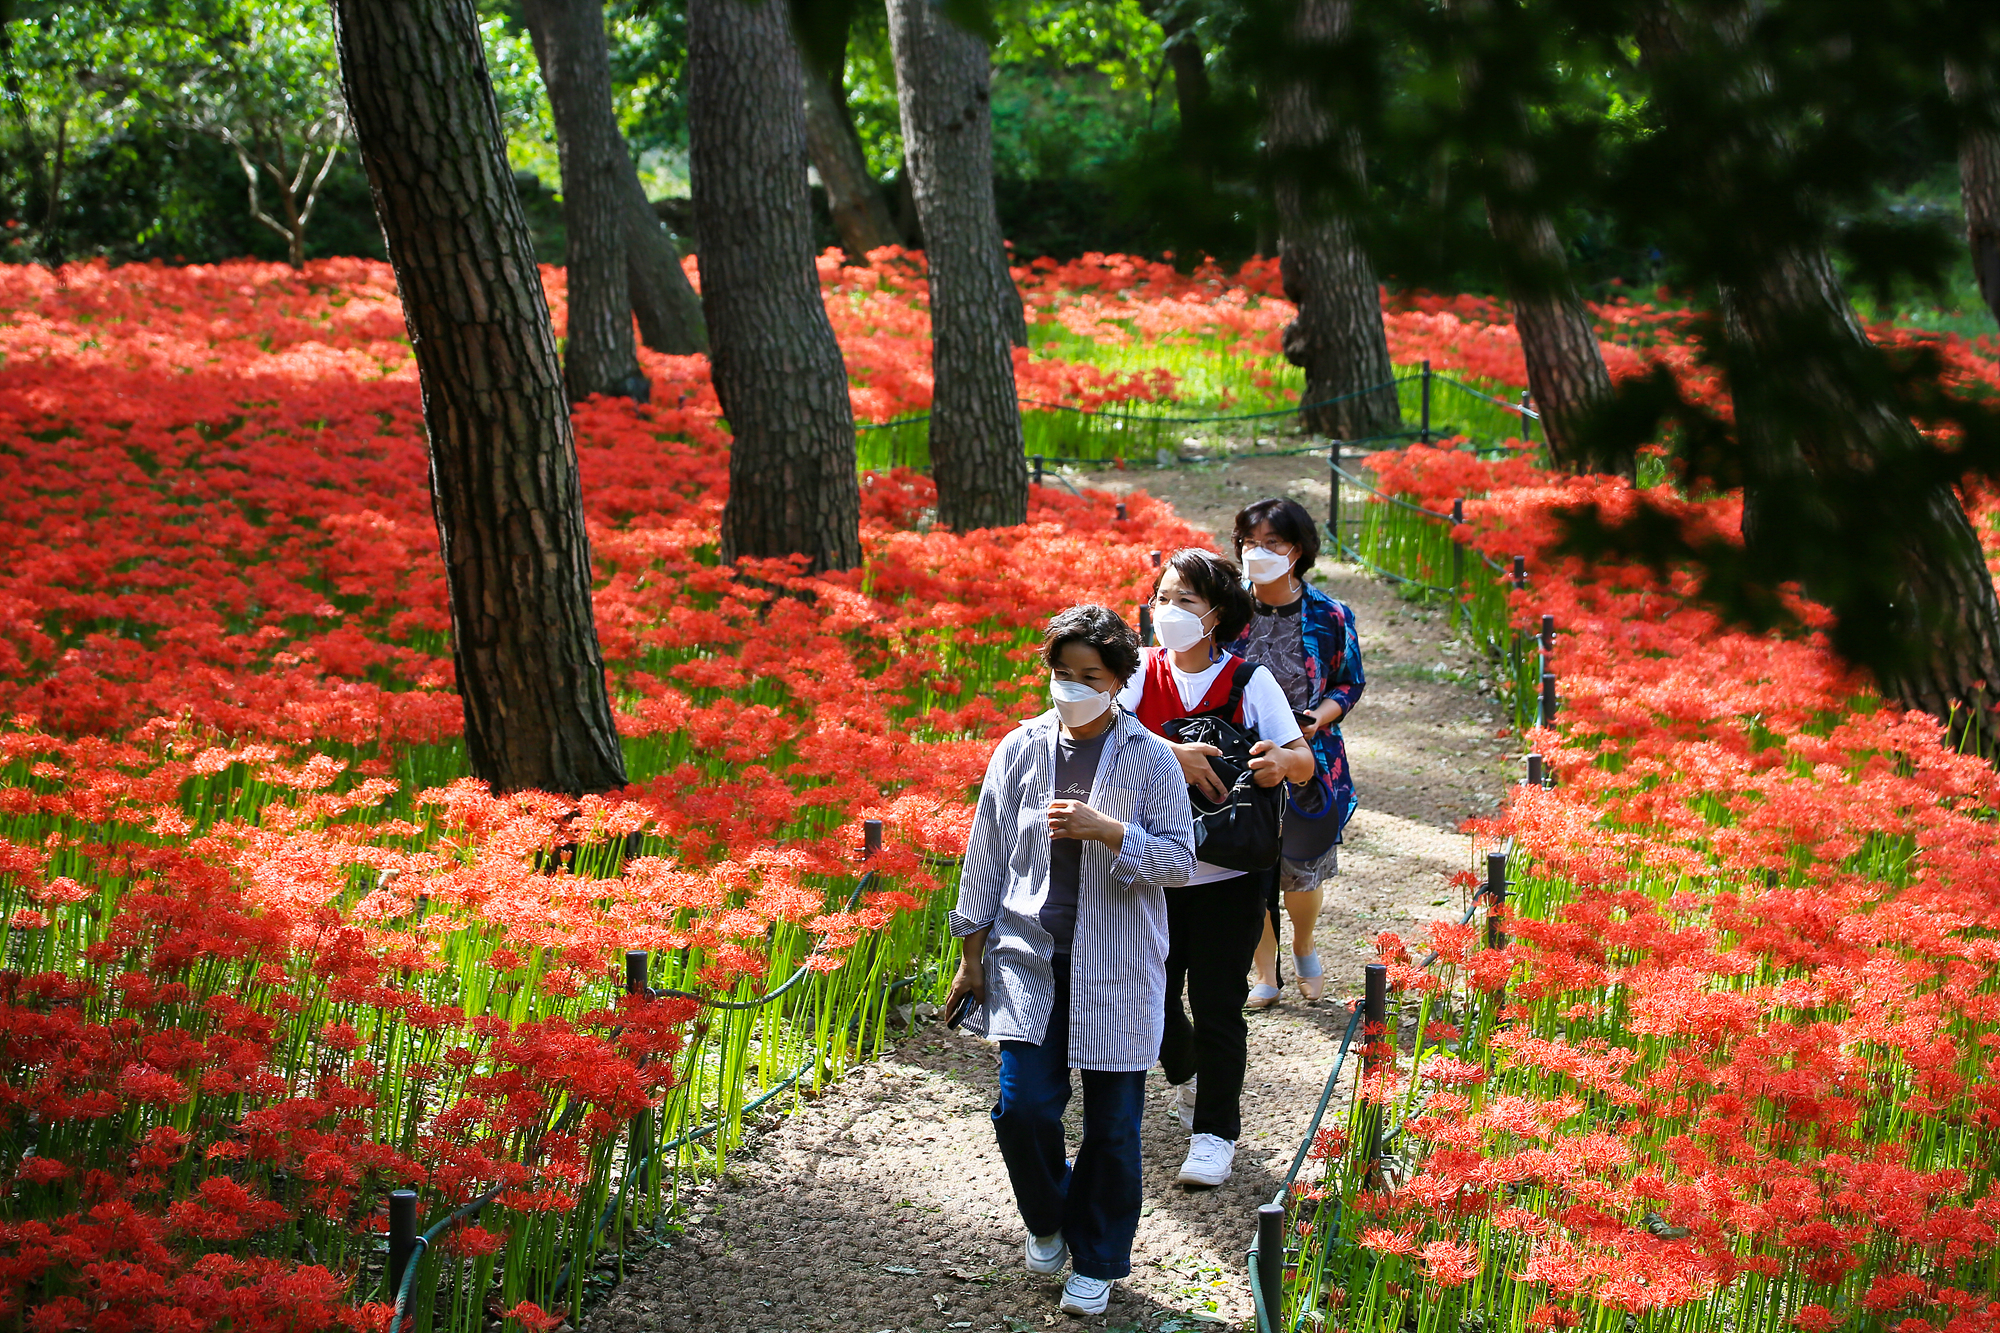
(1333, 665)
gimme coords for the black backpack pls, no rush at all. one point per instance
(1246, 830)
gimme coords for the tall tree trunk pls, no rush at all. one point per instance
(1184, 57)
(1979, 173)
(776, 366)
(1826, 446)
(1338, 337)
(599, 355)
(1566, 371)
(503, 463)
(860, 214)
(943, 86)
(664, 300)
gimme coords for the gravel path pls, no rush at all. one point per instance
(883, 1204)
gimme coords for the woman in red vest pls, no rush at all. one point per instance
(1216, 920)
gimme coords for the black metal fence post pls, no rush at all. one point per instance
(402, 1237)
(1374, 1041)
(1534, 778)
(1548, 709)
(1496, 908)
(1496, 899)
(1457, 559)
(1548, 633)
(1156, 560)
(639, 1147)
(1145, 626)
(871, 837)
(1520, 571)
(1424, 429)
(1038, 469)
(1271, 1260)
(1121, 511)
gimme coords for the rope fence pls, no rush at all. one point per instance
(848, 1010)
(1127, 424)
(1419, 548)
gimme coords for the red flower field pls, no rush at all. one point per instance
(267, 954)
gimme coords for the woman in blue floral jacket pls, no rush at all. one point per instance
(1308, 641)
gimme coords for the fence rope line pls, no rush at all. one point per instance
(804, 968)
(423, 1242)
(1267, 1320)
(917, 417)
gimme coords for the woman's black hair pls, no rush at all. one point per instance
(1289, 519)
(1093, 627)
(1217, 580)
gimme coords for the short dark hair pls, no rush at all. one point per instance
(1289, 519)
(1094, 627)
(1217, 580)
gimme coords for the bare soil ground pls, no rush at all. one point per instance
(883, 1204)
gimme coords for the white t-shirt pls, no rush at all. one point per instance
(1266, 711)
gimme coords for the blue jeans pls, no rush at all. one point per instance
(1094, 1203)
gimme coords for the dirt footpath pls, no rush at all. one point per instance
(883, 1205)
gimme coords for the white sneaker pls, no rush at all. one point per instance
(1184, 1101)
(1085, 1295)
(1047, 1254)
(1210, 1161)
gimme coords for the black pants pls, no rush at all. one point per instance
(1212, 935)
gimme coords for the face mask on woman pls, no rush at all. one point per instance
(1076, 703)
(1265, 566)
(1179, 629)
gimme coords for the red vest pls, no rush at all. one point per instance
(1160, 696)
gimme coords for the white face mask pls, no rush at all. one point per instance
(1076, 703)
(1265, 566)
(1179, 629)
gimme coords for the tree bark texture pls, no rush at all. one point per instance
(1822, 435)
(599, 355)
(775, 364)
(1979, 174)
(1946, 599)
(943, 86)
(860, 213)
(665, 302)
(1184, 56)
(1338, 338)
(1566, 371)
(503, 463)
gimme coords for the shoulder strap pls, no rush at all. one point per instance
(1239, 681)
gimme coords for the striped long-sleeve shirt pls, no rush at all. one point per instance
(1118, 957)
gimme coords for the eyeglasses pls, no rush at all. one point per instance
(1274, 546)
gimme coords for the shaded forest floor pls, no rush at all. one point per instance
(883, 1204)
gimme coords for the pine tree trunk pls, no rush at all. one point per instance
(503, 463)
(1822, 439)
(776, 366)
(860, 213)
(1566, 372)
(1338, 338)
(943, 85)
(1979, 174)
(663, 299)
(1822, 420)
(598, 353)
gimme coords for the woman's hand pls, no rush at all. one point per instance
(1194, 767)
(1074, 819)
(971, 978)
(1326, 715)
(1271, 763)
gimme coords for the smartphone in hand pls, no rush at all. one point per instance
(956, 1014)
